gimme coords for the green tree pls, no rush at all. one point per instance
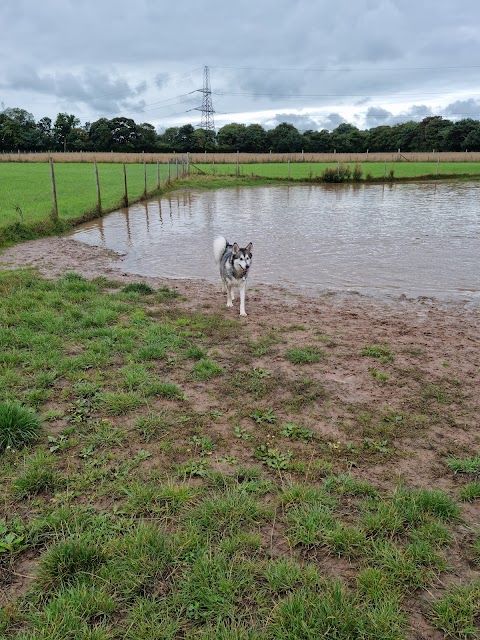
(232, 137)
(432, 134)
(101, 138)
(256, 139)
(472, 141)
(317, 141)
(405, 135)
(17, 130)
(147, 137)
(78, 139)
(170, 138)
(380, 139)
(124, 134)
(45, 134)
(184, 140)
(457, 135)
(62, 128)
(202, 140)
(347, 138)
(284, 138)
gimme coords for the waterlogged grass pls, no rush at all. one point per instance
(179, 489)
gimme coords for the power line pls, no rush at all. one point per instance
(339, 95)
(347, 70)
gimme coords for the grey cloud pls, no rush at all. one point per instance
(463, 109)
(107, 56)
(331, 121)
(161, 79)
(376, 116)
(300, 122)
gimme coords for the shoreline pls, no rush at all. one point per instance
(55, 255)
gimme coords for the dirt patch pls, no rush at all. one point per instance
(394, 389)
(427, 395)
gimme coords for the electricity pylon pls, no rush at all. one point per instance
(207, 110)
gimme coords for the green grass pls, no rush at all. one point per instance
(307, 170)
(457, 612)
(465, 465)
(28, 186)
(305, 355)
(379, 352)
(19, 426)
(163, 499)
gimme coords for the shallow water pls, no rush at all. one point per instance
(416, 239)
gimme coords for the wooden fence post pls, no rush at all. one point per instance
(144, 178)
(99, 198)
(54, 193)
(125, 197)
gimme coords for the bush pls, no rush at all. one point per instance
(341, 173)
(357, 172)
(18, 425)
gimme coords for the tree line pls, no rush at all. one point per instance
(20, 132)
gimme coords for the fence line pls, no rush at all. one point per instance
(241, 158)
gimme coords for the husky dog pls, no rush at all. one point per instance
(234, 264)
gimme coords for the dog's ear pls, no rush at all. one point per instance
(249, 247)
(235, 248)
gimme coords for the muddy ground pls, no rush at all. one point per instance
(436, 347)
(432, 386)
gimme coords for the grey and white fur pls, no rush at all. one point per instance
(234, 263)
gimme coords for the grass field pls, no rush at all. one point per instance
(375, 170)
(26, 190)
(159, 481)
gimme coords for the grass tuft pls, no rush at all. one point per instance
(457, 612)
(19, 426)
(304, 355)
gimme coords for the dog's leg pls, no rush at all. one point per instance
(229, 296)
(242, 300)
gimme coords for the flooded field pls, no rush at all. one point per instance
(418, 239)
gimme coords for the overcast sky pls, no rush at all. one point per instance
(313, 63)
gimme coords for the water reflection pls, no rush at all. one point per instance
(417, 239)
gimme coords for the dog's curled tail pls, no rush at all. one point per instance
(219, 246)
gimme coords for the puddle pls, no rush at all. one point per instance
(417, 239)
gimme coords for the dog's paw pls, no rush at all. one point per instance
(243, 313)
(229, 304)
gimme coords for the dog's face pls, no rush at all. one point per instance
(242, 258)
